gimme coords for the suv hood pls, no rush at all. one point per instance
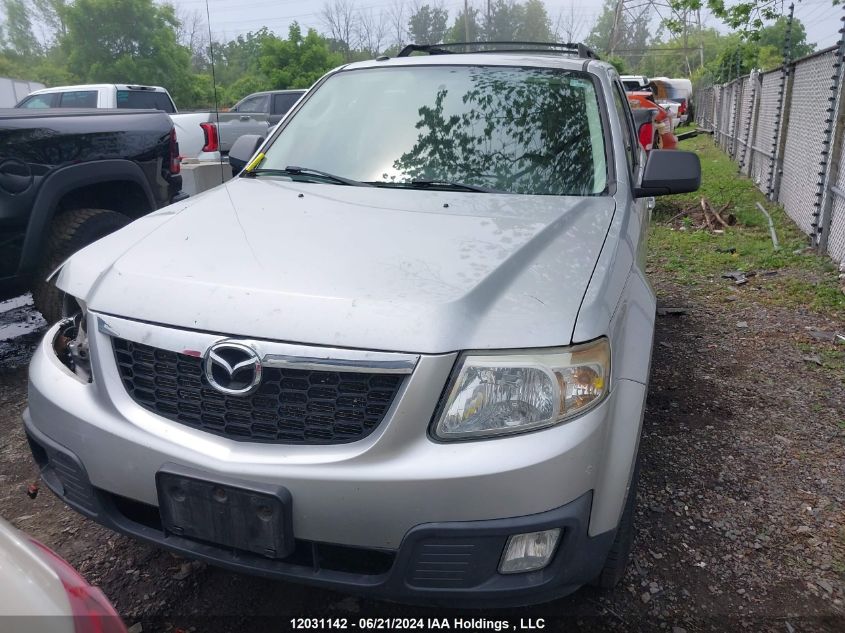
(381, 269)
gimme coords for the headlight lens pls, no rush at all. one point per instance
(497, 394)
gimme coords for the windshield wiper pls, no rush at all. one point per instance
(435, 184)
(293, 170)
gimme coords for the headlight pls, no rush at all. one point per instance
(71, 342)
(501, 393)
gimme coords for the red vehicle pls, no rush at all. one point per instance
(659, 134)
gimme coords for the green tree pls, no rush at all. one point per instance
(738, 55)
(50, 14)
(534, 25)
(239, 59)
(774, 36)
(618, 63)
(199, 92)
(16, 33)
(458, 30)
(621, 34)
(722, 53)
(746, 16)
(507, 21)
(298, 61)
(670, 57)
(127, 41)
(503, 22)
(428, 24)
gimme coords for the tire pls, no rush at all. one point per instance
(620, 552)
(69, 232)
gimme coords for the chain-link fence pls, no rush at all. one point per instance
(785, 130)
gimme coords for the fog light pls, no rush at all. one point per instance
(529, 552)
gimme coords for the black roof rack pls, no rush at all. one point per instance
(571, 48)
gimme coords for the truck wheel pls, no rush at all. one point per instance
(620, 552)
(69, 232)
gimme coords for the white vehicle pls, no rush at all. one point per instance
(42, 593)
(634, 83)
(674, 109)
(201, 135)
(679, 90)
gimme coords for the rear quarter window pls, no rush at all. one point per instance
(144, 100)
(284, 102)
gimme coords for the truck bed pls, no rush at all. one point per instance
(51, 113)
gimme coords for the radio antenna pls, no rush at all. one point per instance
(214, 86)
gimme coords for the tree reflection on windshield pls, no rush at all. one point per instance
(514, 129)
(500, 128)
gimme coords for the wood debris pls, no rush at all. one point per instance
(703, 216)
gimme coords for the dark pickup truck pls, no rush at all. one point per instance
(69, 177)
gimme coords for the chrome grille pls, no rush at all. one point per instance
(291, 406)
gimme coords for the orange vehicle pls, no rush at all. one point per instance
(659, 135)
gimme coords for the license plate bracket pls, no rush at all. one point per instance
(228, 512)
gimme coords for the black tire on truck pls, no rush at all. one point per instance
(620, 552)
(69, 232)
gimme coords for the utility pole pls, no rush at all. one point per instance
(700, 40)
(489, 20)
(466, 20)
(617, 13)
(686, 19)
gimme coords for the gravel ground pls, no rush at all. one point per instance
(740, 518)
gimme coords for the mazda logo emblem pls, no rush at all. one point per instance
(232, 368)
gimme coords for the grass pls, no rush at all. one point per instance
(831, 357)
(694, 256)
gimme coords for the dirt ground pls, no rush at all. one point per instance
(740, 516)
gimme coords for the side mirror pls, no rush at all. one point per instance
(669, 171)
(243, 149)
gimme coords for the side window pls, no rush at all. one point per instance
(284, 102)
(254, 104)
(79, 99)
(628, 137)
(38, 101)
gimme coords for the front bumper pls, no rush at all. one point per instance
(392, 494)
(436, 563)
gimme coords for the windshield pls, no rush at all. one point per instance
(516, 130)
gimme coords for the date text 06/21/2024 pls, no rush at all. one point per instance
(419, 624)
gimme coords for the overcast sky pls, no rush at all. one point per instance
(230, 18)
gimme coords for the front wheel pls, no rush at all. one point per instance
(69, 232)
(620, 552)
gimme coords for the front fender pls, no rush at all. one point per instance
(65, 180)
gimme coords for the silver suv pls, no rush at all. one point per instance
(404, 353)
